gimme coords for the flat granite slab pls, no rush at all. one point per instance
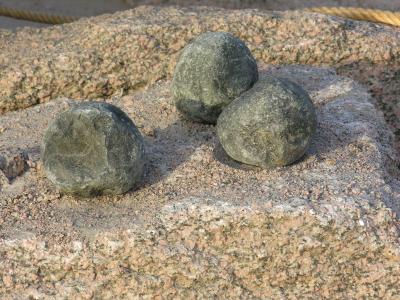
(203, 226)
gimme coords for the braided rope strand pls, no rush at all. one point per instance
(35, 16)
(362, 14)
(356, 13)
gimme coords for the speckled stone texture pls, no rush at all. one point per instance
(270, 125)
(202, 227)
(93, 149)
(117, 54)
(14, 165)
(212, 70)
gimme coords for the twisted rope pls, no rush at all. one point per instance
(35, 16)
(356, 13)
(363, 14)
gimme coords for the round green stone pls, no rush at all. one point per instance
(212, 71)
(268, 126)
(93, 148)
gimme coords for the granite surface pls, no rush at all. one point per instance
(118, 54)
(201, 225)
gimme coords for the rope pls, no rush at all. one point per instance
(35, 16)
(356, 13)
(363, 14)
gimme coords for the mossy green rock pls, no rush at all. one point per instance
(268, 126)
(93, 148)
(212, 71)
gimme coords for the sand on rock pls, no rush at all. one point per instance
(201, 224)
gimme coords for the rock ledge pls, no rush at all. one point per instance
(201, 225)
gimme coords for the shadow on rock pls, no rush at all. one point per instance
(172, 146)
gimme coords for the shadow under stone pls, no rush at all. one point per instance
(221, 156)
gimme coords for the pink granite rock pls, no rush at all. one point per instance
(203, 226)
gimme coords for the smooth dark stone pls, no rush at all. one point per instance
(93, 148)
(212, 71)
(270, 125)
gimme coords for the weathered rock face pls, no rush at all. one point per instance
(212, 71)
(199, 226)
(115, 55)
(93, 149)
(270, 125)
